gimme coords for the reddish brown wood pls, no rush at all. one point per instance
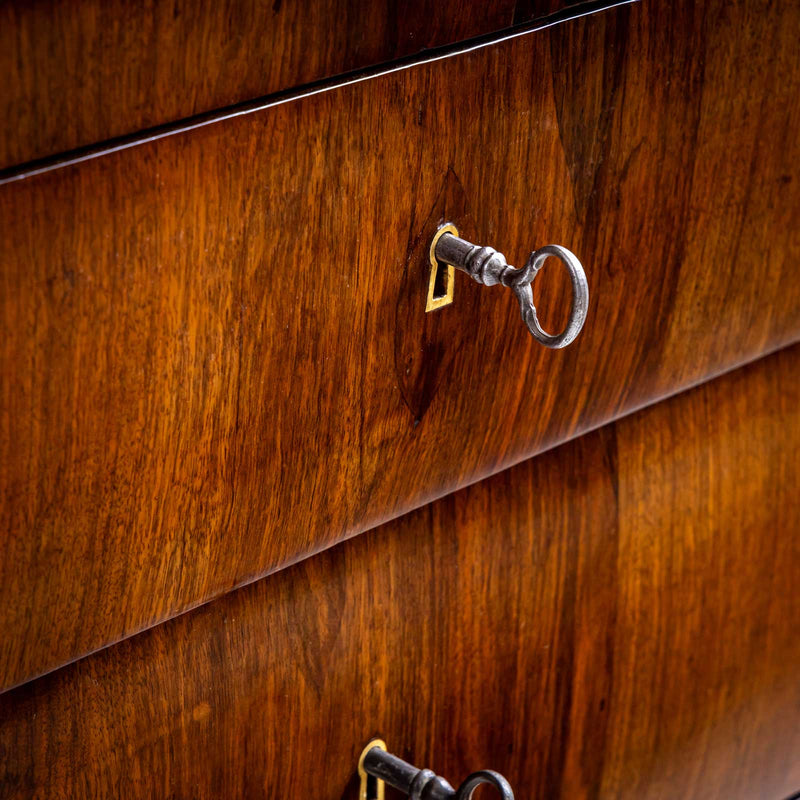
(76, 72)
(202, 374)
(618, 618)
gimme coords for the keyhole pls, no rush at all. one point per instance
(440, 281)
(372, 788)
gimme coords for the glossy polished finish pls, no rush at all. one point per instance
(618, 618)
(76, 72)
(488, 267)
(215, 357)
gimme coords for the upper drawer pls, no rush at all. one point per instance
(214, 357)
(76, 72)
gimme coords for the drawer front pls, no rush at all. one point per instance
(632, 632)
(215, 358)
(77, 72)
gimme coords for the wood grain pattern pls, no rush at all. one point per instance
(201, 352)
(76, 72)
(618, 618)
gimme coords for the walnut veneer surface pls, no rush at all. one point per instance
(618, 618)
(76, 72)
(214, 359)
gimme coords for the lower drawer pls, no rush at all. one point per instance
(617, 618)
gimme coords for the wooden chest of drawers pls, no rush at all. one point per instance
(216, 361)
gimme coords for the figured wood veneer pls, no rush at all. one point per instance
(618, 618)
(77, 72)
(209, 359)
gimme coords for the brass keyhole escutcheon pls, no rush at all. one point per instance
(443, 276)
(371, 788)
